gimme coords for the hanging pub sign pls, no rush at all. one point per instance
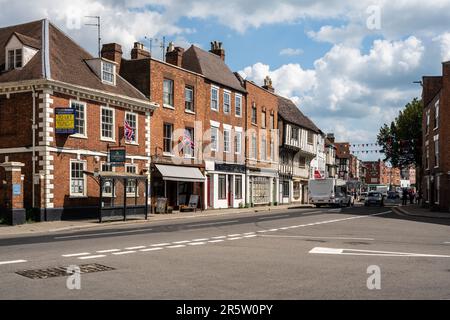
(65, 121)
(117, 156)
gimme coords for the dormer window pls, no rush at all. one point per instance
(14, 59)
(108, 74)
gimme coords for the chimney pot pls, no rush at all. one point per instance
(113, 52)
(174, 55)
(217, 49)
(138, 52)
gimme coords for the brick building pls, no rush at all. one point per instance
(379, 173)
(261, 143)
(42, 70)
(178, 126)
(224, 126)
(436, 133)
(343, 160)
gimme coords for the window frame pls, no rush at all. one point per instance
(170, 139)
(226, 144)
(254, 150)
(215, 145)
(263, 119)
(222, 193)
(171, 95)
(71, 179)
(192, 102)
(136, 131)
(238, 187)
(237, 142)
(113, 169)
(309, 135)
(84, 104)
(102, 137)
(192, 151)
(436, 153)
(216, 89)
(136, 186)
(227, 110)
(436, 116)
(111, 72)
(238, 97)
(263, 148)
(254, 115)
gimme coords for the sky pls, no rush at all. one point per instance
(348, 65)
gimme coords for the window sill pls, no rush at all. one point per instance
(189, 112)
(131, 195)
(107, 140)
(77, 197)
(132, 143)
(215, 110)
(79, 136)
(167, 154)
(168, 106)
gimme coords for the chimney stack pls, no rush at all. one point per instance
(138, 52)
(216, 48)
(430, 87)
(330, 136)
(174, 55)
(268, 84)
(113, 52)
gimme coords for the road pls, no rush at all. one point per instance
(294, 254)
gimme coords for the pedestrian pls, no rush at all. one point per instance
(404, 197)
(411, 197)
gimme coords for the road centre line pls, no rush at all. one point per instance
(177, 246)
(150, 249)
(212, 223)
(314, 237)
(12, 262)
(92, 257)
(108, 251)
(136, 248)
(123, 252)
(76, 254)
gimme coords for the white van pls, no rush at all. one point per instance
(329, 192)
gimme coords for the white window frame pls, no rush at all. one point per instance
(237, 98)
(214, 88)
(263, 147)
(72, 194)
(226, 146)
(427, 124)
(192, 150)
(136, 167)
(113, 169)
(228, 94)
(84, 104)
(189, 88)
(7, 62)
(238, 142)
(166, 105)
(215, 146)
(436, 152)
(112, 73)
(437, 189)
(108, 139)
(136, 132)
(254, 150)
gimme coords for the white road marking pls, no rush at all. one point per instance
(12, 262)
(262, 231)
(136, 248)
(123, 252)
(160, 244)
(249, 233)
(216, 241)
(234, 235)
(177, 246)
(197, 243)
(311, 237)
(197, 240)
(273, 230)
(150, 249)
(212, 223)
(92, 257)
(250, 236)
(446, 242)
(100, 234)
(108, 251)
(76, 254)
(236, 238)
(220, 237)
(356, 252)
(181, 242)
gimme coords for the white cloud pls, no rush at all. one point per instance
(291, 52)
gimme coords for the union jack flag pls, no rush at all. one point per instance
(129, 132)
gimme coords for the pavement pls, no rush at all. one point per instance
(306, 253)
(417, 211)
(57, 226)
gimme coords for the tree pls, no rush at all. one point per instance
(401, 141)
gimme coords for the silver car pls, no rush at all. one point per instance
(374, 198)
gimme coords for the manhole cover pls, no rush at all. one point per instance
(62, 271)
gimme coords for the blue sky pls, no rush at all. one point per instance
(348, 65)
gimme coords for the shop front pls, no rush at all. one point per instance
(178, 185)
(262, 186)
(225, 185)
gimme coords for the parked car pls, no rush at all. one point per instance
(392, 195)
(363, 196)
(375, 198)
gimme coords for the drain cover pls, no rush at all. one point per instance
(62, 271)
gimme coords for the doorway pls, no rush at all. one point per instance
(230, 191)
